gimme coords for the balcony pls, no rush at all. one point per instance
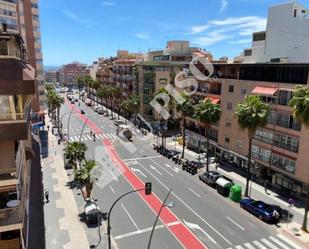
(10, 244)
(10, 219)
(8, 177)
(13, 126)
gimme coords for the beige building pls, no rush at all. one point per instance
(17, 88)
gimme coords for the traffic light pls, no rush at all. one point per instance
(148, 188)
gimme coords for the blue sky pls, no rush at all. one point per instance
(83, 30)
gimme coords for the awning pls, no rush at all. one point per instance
(265, 90)
(213, 100)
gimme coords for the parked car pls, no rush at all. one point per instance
(262, 210)
(100, 110)
(118, 122)
(76, 99)
(96, 108)
(72, 101)
(210, 177)
(82, 112)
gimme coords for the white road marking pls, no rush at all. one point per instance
(139, 171)
(145, 230)
(249, 246)
(140, 158)
(166, 171)
(176, 170)
(239, 247)
(129, 216)
(194, 192)
(88, 136)
(114, 177)
(230, 219)
(155, 169)
(100, 136)
(259, 245)
(197, 227)
(109, 135)
(271, 245)
(187, 206)
(112, 189)
(279, 242)
(104, 135)
(292, 244)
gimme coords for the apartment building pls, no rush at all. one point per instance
(17, 88)
(51, 76)
(287, 23)
(104, 73)
(23, 17)
(71, 72)
(159, 69)
(92, 70)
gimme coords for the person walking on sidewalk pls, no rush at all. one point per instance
(48, 127)
(46, 193)
(266, 186)
(93, 137)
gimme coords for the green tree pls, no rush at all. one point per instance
(186, 109)
(251, 115)
(207, 114)
(134, 103)
(96, 86)
(116, 95)
(125, 106)
(84, 178)
(74, 152)
(300, 105)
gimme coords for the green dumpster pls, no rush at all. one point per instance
(235, 193)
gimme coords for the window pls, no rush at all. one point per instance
(283, 163)
(227, 139)
(284, 97)
(243, 91)
(259, 36)
(3, 47)
(228, 123)
(34, 5)
(248, 52)
(261, 153)
(229, 106)
(286, 142)
(231, 88)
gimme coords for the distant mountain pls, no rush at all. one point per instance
(48, 68)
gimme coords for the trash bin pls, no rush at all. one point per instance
(235, 193)
(223, 186)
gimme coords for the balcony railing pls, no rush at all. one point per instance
(7, 174)
(12, 116)
(10, 216)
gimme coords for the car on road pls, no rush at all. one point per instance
(264, 211)
(100, 110)
(118, 122)
(210, 177)
(82, 112)
(72, 101)
(76, 99)
(96, 108)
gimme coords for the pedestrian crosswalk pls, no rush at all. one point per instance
(272, 242)
(88, 137)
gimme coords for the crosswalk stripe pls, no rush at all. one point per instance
(239, 247)
(109, 135)
(88, 137)
(279, 242)
(100, 136)
(104, 135)
(293, 245)
(271, 245)
(114, 134)
(259, 245)
(249, 246)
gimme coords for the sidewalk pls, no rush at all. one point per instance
(62, 223)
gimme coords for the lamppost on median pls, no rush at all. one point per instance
(164, 204)
(61, 120)
(148, 187)
(81, 133)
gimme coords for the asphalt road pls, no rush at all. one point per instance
(216, 222)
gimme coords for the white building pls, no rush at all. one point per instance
(92, 70)
(286, 38)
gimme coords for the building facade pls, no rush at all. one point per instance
(287, 23)
(51, 76)
(92, 70)
(71, 72)
(17, 88)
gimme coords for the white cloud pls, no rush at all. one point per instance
(143, 36)
(108, 3)
(198, 29)
(224, 4)
(211, 39)
(229, 29)
(240, 42)
(70, 14)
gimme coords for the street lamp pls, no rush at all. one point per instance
(62, 117)
(81, 133)
(164, 204)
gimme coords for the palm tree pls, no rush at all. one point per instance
(300, 104)
(74, 152)
(161, 101)
(88, 82)
(96, 85)
(83, 177)
(207, 114)
(134, 103)
(116, 95)
(125, 106)
(251, 115)
(186, 110)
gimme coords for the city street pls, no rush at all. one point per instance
(200, 217)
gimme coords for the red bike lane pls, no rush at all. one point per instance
(184, 236)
